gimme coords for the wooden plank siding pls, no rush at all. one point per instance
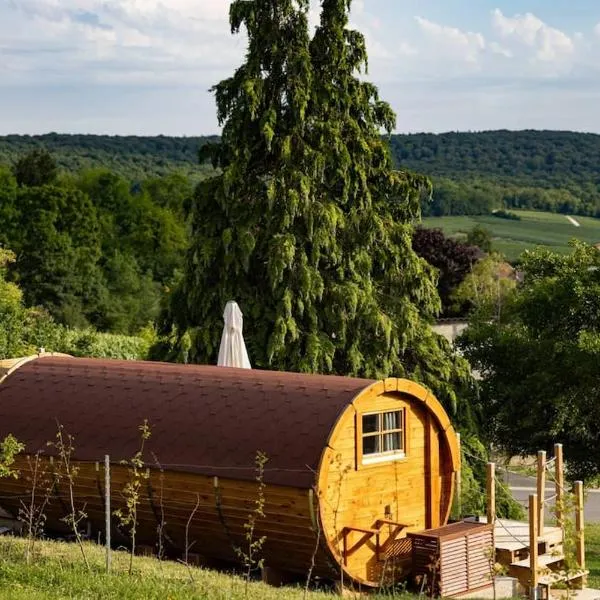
(217, 525)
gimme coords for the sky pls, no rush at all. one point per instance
(144, 67)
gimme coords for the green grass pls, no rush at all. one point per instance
(592, 553)
(58, 572)
(551, 230)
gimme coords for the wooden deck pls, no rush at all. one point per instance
(513, 536)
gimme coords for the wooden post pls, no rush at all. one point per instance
(107, 509)
(541, 488)
(560, 483)
(459, 479)
(579, 524)
(491, 493)
(533, 546)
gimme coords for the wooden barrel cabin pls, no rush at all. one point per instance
(353, 465)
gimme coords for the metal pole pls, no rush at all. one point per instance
(107, 508)
(541, 488)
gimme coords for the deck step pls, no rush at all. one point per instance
(522, 568)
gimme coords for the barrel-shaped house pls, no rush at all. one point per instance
(353, 465)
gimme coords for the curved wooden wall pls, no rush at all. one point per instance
(367, 510)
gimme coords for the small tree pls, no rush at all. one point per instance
(33, 511)
(453, 259)
(35, 168)
(67, 471)
(250, 552)
(481, 237)
(487, 287)
(132, 490)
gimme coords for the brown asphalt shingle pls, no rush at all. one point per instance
(204, 419)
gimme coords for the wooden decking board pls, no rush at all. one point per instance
(543, 561)
(512, 535)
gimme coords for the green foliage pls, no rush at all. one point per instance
(506, 214)
(9, 448)
(486, 288)
(480, 237)
(36, 168)
(93, 249)
(473, 173)
(57, 251)
(452, 258)
(135, 158)
(307, 225)
(539, 359)
(473, 481)
(23, 330)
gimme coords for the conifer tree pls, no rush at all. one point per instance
(308, 225)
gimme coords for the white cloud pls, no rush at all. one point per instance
(465, 45)
(497, 48)
(171, 51)
(548, 43)
(95, 40)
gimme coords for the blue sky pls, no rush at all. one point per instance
(144, 66)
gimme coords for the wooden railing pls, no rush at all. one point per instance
(367, 534)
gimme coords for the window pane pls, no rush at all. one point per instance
(370, 423)
(392, 441)
(371, 444)
(392, 420)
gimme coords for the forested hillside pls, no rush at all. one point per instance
(132, 157)
(476, 173)
(473, 173)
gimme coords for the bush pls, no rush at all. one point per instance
(506, 214)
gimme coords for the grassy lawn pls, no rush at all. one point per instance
(592, 551)
(58, 572)
(534, 229)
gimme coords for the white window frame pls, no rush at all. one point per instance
(388, 455)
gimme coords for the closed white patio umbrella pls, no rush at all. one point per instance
(232, 352)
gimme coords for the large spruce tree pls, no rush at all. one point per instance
(307, 225)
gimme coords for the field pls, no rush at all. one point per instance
(534, 229)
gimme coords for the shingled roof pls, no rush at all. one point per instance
(206, 420)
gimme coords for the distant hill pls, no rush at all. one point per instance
(473, 172)
(131, 156)
(529, 157)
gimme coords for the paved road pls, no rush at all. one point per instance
(522, 486)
